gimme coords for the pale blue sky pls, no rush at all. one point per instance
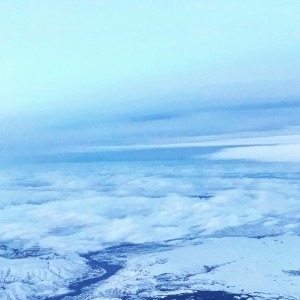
(87, 68)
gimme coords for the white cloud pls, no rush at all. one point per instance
(285, 136)
(276, 153)
(79, 212)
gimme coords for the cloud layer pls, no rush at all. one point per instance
(71, 210)
(52, 213)
(277, 148)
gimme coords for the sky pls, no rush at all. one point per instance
(113, 72)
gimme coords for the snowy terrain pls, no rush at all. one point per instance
(203, 227)
(265, 268)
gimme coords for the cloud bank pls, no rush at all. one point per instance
(79, 212)
(278, 148)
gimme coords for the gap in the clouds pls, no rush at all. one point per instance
(113, 259)
(18, 253)
(76, 288)
(110, 260)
